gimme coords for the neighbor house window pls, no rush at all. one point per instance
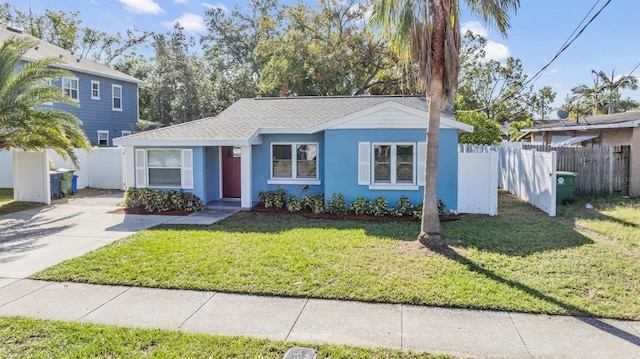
(389, 165)
(70, 87)
(117, 97)
(294, 162)
(125, 133)
(103, 138)
(95, 90)
(166, 168)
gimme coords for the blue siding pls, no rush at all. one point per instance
(98, 115)
(261, 164)
(341, 165)
(212, 174)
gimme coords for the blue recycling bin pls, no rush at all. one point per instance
(74, 184)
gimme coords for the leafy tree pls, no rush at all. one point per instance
(64, 30)
(540, 101)
(516, 128)
(611, 85)
(485, 130)
(490, 86)
(24, 121)
(182, 87)
(428, 33)
(328, 51)
(232, 40)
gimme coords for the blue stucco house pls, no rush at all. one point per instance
(368, 146)
(108, 98)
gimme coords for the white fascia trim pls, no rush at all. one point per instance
(627, 124)
(295, 182)
(391, 187)
(127, 141)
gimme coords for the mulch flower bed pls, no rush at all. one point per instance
(141, 210)
(348, 215)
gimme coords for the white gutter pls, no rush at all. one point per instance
(627, 124)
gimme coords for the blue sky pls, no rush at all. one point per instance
(538, 31)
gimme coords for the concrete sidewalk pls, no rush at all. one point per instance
(465, 333)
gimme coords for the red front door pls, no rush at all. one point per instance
(231, 172)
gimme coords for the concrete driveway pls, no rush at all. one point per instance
(33, 240)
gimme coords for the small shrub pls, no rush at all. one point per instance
(442, 208)
(154, 200)
(315, 202)
(417, 211)
(380, 206)
(337, 204)
(275, 198)
(360, 206)
(293, 204)
(405, 207)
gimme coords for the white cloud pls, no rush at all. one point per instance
(142, 6)
(554, 71)
(217, 6)
(180, 1)
(496, 51)
(475, 27)
(190, 22)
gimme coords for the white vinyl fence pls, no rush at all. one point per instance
(530, 175)
(100, 168)
(478, 182)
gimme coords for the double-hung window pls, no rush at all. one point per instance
(103, 138)
(70, 87)
(95, 90)
(390, 165)
(164, 168)
(117, 97)
(294, 163)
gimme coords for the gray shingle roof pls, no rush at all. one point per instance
(246, 116)
(613, 118)
(73, 62)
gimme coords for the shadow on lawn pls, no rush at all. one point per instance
(577, 210)
(581, 314)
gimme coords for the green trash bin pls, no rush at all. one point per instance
(565, 183)
(65, 182)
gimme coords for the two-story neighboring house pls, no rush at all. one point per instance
(108, 98)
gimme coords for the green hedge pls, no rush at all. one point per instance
(154, 200)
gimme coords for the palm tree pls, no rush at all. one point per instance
(427, 32)
(611, 85)
(24, 121)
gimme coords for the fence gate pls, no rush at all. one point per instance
(619, 183)
(478, 183)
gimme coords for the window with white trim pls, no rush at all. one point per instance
(117, 97)
(294, 162)
(165, 168)
(70, 87)
(95, 90)
(103, 138)
(390, 165)
(125, 133)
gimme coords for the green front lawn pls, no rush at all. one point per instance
(31, 338)
(616, 218)
(521, 260)
(7, 205)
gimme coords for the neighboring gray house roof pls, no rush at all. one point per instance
(614, 120)
(72, 62)
(247, 118)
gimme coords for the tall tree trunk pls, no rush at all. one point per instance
(430, 232)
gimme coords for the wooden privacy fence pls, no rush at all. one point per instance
(600, 169)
